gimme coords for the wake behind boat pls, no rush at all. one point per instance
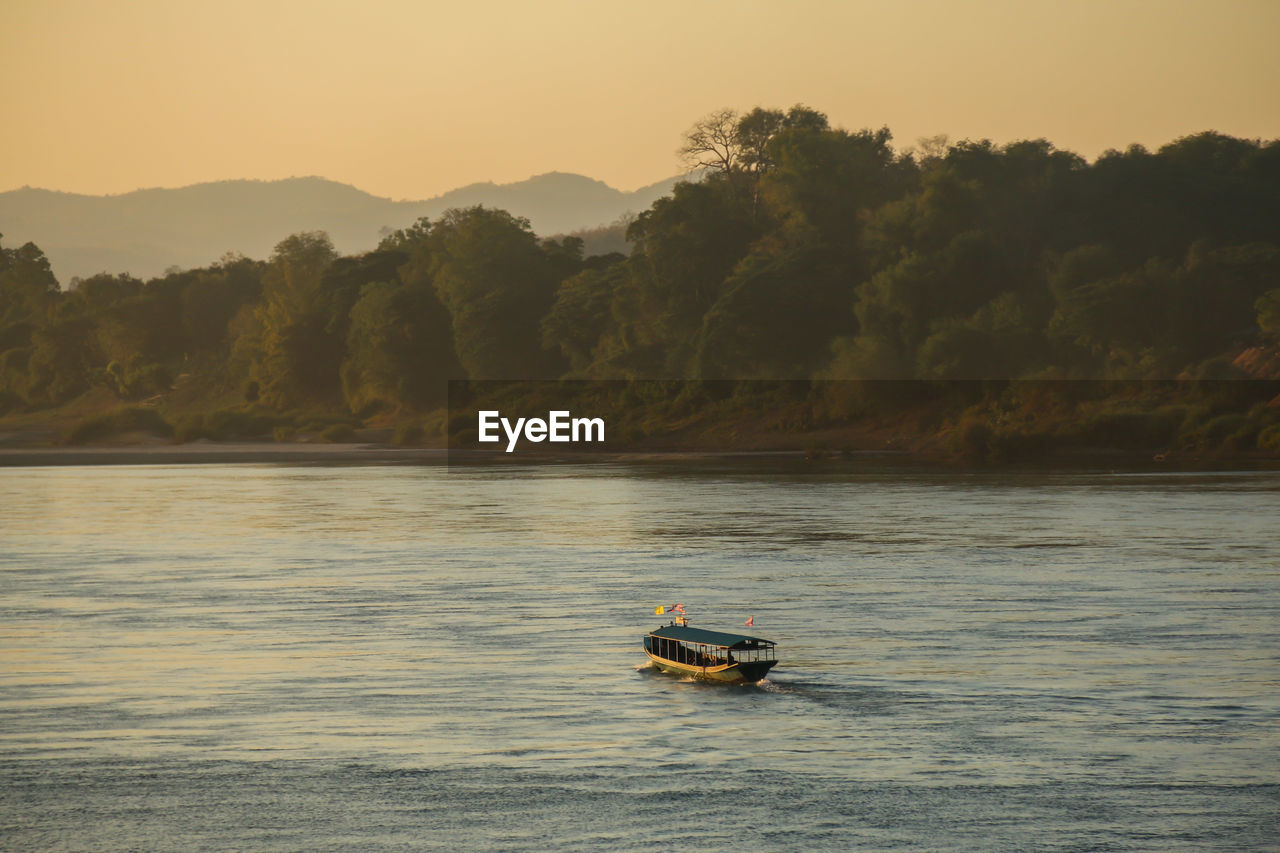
(716, 655)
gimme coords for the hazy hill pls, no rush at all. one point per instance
(146, 231)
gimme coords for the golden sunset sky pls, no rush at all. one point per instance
(410, 98)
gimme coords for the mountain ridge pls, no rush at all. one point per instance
(145, 231)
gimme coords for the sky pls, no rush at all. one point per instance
(410, 98)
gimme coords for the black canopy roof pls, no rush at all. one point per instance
(685, 634)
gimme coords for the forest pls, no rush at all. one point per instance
(803, 258)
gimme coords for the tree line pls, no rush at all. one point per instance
(802, 251)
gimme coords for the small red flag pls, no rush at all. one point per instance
(751, 621)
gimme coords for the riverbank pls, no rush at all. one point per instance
(284, 453)
(221, 453)
(1053, 424)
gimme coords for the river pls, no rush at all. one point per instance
(313, 658)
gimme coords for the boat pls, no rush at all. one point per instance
(716, 655)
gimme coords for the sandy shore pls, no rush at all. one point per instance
(264, 453)
(206, 452)
(222, 454)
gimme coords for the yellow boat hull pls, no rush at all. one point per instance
(736, 672)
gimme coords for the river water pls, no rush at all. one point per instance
(264, 657)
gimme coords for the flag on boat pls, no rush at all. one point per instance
(659, 610)
(751, 621)
(678, 608)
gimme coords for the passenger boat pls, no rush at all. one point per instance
(716, 655)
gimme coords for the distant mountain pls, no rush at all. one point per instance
(148, 231)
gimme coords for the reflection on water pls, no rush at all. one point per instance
(232, 657)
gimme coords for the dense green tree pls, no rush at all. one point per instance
(1213, 304)
(582, 317)
(400, 349)
(344, 281)
(822, 181)
(406, 239)
(497, 282)
(775, 318)
(135, 323)
(293, 352)
(1160, 317)
(211, 298)
(60, 362)
(685, 247)
(995, 342)
(27, 284)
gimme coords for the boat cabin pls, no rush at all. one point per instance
(714, 654)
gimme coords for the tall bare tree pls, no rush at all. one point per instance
(714, 143)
